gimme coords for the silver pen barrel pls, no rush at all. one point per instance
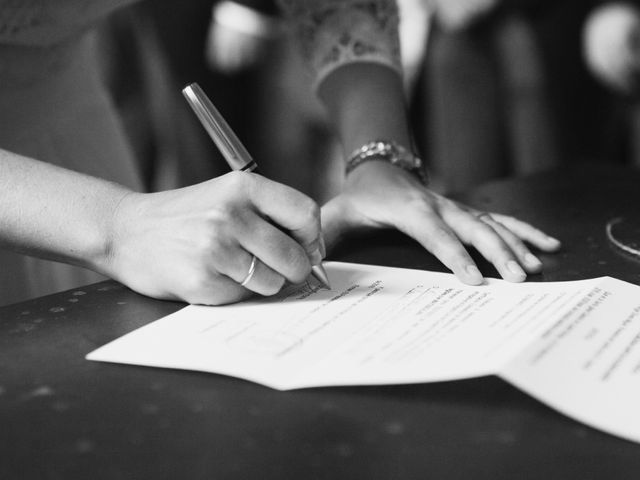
(218, 129)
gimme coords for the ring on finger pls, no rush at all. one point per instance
(252, 270)
(484, 216)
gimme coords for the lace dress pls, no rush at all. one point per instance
(55, 108)
(332, 33)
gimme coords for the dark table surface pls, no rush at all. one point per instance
(62, 416)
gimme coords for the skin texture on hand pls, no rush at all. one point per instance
(610, 41)
(196, 244)
(378, 194)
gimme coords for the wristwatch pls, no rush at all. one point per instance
(391, 152)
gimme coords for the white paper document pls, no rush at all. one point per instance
(573, 345)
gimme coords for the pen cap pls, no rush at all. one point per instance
(218, 129)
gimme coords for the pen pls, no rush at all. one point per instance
(230, 146)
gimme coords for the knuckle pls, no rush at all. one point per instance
(239, 184)
(418, 202)
(309, 210)
(443, 238)
(490, 244)
(196, 284)
(219, 219)
(214, 248)
(487, 235)
(237, 178)
(312, 210)
(209, 237)
(226, 221)
(508, 241)
(215, 245)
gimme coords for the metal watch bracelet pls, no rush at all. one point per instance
(391, 152)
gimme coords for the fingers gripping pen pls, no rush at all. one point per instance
(229, 145)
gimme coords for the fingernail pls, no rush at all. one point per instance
(473, 274)
(515, 268)
(316, 257)
(532, 260)
(554, 241)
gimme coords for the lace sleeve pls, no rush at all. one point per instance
(332, 33)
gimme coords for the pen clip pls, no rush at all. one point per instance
(218, 129)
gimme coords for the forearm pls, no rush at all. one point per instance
(365, 102)
(53, 213)
(352, 49)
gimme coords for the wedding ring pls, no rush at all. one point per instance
(481, 215)
(252, 270)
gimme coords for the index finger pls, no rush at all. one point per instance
(289, 209)
(433, 234)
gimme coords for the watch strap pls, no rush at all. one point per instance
(391, 152)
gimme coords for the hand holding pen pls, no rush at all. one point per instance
(239, 159)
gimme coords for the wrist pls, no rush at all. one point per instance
(115, 231)
(390, 152)
(380, 176)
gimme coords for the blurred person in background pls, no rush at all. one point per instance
(611, 46)
(485, 100)
(240, 33)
